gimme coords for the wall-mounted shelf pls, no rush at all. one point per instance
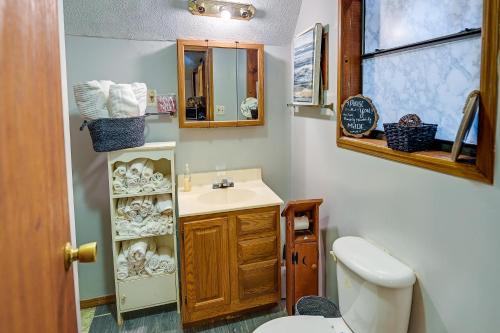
(321, 106)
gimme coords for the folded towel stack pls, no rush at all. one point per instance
(142, 258)
(138, 176)
(144, 216)
(105, 99)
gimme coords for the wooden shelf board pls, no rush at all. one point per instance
(146, 277)
(123, 238)
(140, 194)
(434, 160)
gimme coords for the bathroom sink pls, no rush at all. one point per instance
(226, 196)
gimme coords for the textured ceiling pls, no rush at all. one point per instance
(169, 19)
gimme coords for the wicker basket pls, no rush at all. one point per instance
(316, 306)
(410, 138)
(109, 134)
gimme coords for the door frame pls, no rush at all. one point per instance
(67, 153)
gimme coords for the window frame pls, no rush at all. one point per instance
(350, 29)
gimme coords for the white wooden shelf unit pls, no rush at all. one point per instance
(139, 292)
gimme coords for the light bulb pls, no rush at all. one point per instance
(225, 14)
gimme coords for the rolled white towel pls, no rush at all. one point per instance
(119, 186)
(164, 203)
(137, 203)
(148, 169)
(164, 184)
(121, 260)
(147, 203)
(120, 206)
(137, 251)
(122, 273)
(157, 177)
(169, 228)
(91, 98)
(136, 166)
(120, 169)
(148, 187)
(167, 261)
(132, 215)
(133, 184)
(122, 102)
(140, 91)
(152, 264)
(144, 181)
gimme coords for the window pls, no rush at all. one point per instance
(427, 56)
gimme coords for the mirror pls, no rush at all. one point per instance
(220, 84)
(196, 86)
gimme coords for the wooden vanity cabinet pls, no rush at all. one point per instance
(230, 262)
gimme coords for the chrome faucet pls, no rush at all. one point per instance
(223, 183)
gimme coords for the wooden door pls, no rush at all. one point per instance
(206, 270)
(306, 275)
(37, 293)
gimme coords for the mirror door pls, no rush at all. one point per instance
(220, 84)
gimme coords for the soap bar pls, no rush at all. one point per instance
(301, 223)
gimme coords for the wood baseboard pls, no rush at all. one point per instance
(93, 302)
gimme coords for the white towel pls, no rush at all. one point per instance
(133, 184)
(147, 170)
(120, 206)
(163, 203)
(167, 261)
(91, 98)
(144, 181)
(137, 203)
(122, 267)
(136, 166)
(148, 187)
(301, 223)
(119, 186)
(120, 170)
(147, 203)
(137, 251)
(152, 264)
(140, 91)
(122, 102)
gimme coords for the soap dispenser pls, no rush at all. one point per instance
(187, 179)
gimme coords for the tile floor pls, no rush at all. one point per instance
(166, 319)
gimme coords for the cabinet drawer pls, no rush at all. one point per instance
(258, 279)
(256, 223)
(259, 249)
(147, 291)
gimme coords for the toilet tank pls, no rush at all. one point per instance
(375, 289)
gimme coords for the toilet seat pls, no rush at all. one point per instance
(301, 324)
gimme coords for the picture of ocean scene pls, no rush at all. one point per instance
(303, 68)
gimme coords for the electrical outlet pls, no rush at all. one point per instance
(219, 109)
(151, 97)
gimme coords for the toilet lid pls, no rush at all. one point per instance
(301, 324)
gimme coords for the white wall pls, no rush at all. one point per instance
(155, 63)
(447, 229)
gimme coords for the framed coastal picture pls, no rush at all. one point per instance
(307, 66)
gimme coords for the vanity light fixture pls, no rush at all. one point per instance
(222, 9)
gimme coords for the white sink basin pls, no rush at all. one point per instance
(226, 196)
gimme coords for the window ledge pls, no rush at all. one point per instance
(433, 160)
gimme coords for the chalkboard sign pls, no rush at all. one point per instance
(358, 116)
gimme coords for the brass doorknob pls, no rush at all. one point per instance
(84, 253)
(314, 267)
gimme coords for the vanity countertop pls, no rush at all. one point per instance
(249, 192)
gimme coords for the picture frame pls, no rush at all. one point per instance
(470, 110)
(307, 66)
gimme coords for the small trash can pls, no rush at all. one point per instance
(316, 306)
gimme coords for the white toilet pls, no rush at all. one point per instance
(375, 292)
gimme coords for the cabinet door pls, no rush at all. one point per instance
(306, 270)
(206, 269)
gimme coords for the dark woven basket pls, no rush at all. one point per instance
(410, 138)
(316, 306)
(109, 134)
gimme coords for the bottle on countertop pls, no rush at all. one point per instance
(187, 179)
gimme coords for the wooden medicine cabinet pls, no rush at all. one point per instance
(221, 84)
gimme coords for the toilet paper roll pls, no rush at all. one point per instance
(301, 223)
